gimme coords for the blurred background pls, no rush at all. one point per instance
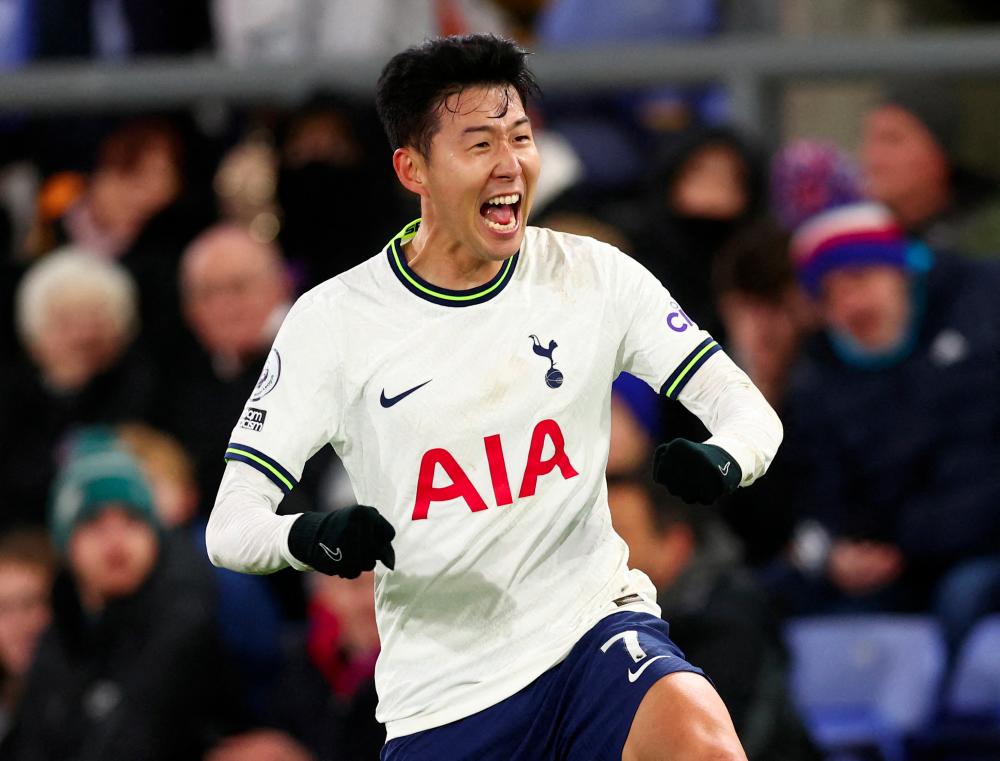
(817, 182)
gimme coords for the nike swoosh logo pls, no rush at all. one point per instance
(334, 555)
(389, 401)
(725, 470)
(633, 675)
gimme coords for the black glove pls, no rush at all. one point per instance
(343, 542)
(696, 472)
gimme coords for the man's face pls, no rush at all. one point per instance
(78, 339)
(112, 554)
(123, 200)
(480, 174)
(762, 333)
(870, 304)
(711, 184)
(231, 289)
(900, 157)
(24, 613)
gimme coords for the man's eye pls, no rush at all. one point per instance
(481, 145)
(522, 138)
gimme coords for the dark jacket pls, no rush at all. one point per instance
(908, 454)
(720, 618)
(333, 727)
(34, 420)
(144, 681)
(200, 408)
(10, 276)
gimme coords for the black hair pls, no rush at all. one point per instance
(416, 83)
(755, 263)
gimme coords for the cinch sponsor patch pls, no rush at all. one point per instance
(253, 419)
(627, 599)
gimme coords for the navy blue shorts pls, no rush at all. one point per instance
(579, 710)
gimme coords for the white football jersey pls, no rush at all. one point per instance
(477, 422)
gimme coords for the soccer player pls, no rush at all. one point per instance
(463, 375)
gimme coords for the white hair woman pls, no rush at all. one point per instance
(76, 314)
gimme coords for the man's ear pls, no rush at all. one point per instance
(411, 169)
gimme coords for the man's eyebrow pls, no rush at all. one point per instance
(494, 128)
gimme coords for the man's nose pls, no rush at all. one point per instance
(507, 166)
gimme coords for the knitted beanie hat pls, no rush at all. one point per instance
(93, 480)
(855, 235)
(809, 177)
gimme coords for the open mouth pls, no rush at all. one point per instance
(502, 213)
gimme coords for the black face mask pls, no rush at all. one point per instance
(326, 211)
(700, 238)
(321, 193)
(685, 263)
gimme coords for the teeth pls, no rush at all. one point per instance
(500, 200)
(510, 226)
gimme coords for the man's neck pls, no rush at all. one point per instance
(918, 209)
(440, 259)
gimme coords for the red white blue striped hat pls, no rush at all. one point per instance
(856, 235)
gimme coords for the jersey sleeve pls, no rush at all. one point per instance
(660, 343)
(294, 410)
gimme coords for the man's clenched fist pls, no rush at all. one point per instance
(695, 472)
(344, 542)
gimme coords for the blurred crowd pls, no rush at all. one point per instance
(147, 261)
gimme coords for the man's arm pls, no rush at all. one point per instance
(745, 436)
(663, 346)
(292, 414)
(737, 415)
(244, 533)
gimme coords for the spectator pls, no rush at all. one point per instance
(248, 616)
(132, 209)
(760, 305)
(893, 422)
(76, 317)
(130, 667)
(717, 614)
(27, 566)
(327, 182)
(706, 186)
(911, 164)
(138, 174)
(328, 696)
(235, 293)
(766, 317)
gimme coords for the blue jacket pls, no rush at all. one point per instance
(908, 454)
